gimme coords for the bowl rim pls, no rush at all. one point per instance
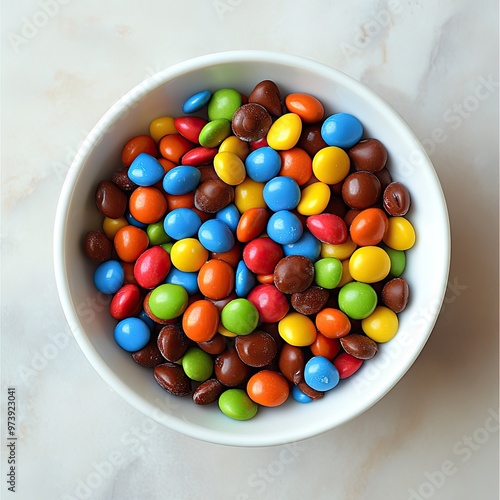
(59, 256)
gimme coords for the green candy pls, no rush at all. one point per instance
(223, 104)
(328, 272)
(235, 403)
(197, 364)
(357, 300)
(167, 246)
(240, 316)
(398, 261)
(214, 132)
(156, 234)
(168, 301)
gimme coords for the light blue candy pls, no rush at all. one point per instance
(109, 277)
(230, 215)
(181, 180)
(281, 193)
(299, 396)
(321, 374)
(284, 227)
(263, 164)
(244, 280)
(196, 102)
(132, 334)
(181, 223)
(145, 170)
(307, 245)
(133, 221)
(342, 130)
(185, 279)
(151, 324)
(216, 236)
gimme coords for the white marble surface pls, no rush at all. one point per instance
(435, 435)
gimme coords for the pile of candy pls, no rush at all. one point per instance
(253, 248)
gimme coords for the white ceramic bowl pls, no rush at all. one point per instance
(163, 94)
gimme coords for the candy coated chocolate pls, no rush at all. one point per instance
(257, 349)
(294, 273)
(361, 190)
(369, 155)
(98, 246)
(291, 363)
(208, 392)
(310, 301)
(359, 346)
(172, 378)
(111, 201)
(395, 294)
(396, 199)
(172, 342)
(213, 195)
(229, 369)
(267, 94)
(251, 122)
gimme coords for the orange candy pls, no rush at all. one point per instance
(297, 164)
(174, 146)
(200, 321)
(369, 226)
(324, 346)
(268, 388)
(216, 279)
(232, 257)
(333, 323)
(180, 200)
(251, 224)
(130, 242)
(306, 106)
(137, 145)
(147, 204)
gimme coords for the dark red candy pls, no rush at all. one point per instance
(257, 349)
(172, 378)
(98, 247)
(111, 201)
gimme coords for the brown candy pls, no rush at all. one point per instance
(213, 195)
(369, 155)
(251, 122)
(257, 349)
(208, 392)
(310, 301)
(359, 346)
(172, 378)
(396, 199)
(293, 274)
(229, 369)
(309, 391)
(111, 201)
(384, 176)
(291, 363)
(310, 139)
(214, 346)
(121, 179)
(395, 294)
(361, 190)
(267, 94)
(98, 247)
(172, 342)
(149, 356)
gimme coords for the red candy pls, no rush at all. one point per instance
(270, 302)
(152, 267)
(328, 228)
(126, 302)
(261, 255)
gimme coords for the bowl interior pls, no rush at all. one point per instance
(163, 94)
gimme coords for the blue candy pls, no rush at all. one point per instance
(281, 193)
(299, 396)
(321, 374)
(181, 180)
(263, 164)
(216, 236)
(145, 170)
(133, 221)
(342, 130)
(132, 334)
(109, 276)
(307, 245)
(284, 227)
(151, 324)
(189, 281)
(230, 215)
(244, 280)
(181, 223)
(196, 102)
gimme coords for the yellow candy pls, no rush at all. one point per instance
(285, 132)
(297, 329)
(400, 234)
(224, 331)
(369, 264)
(160, 127)
(111, 226)
(248, 195)
(188, 255)
(331, 165)
(342, 251)
(314, 199)
(346, 275)
(230, 168)
(381, 325)
(235, 145)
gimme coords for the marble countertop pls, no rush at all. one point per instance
(435, 435)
